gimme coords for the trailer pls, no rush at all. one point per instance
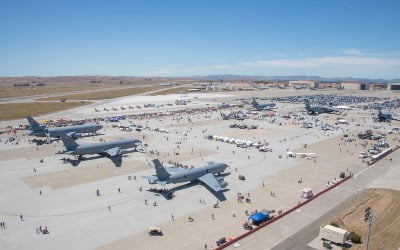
(333, 234)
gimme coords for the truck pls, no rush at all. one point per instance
(333, 234)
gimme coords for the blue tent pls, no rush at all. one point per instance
(258, 217)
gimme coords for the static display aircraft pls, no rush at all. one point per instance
(109, 149)
(301, 155)
(204, 174)
(263, 106)
(385, 116)
(315, 110)
(73, 131)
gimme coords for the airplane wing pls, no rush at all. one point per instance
(71, 134)
(212, 182)
(113, 151)
(151, 179)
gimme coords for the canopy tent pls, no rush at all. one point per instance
(259, 217)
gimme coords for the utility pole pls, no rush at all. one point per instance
(369, 218)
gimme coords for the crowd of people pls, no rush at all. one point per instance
(333, 100)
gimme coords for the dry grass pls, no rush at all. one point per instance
(11, 91)
(13, 111)
(105, 94)
(385, 233)
(169, 91)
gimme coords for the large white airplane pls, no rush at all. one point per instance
(302, 155)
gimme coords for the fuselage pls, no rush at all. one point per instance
(59, 131)
(263, 106)
(195, 173)
(96, 148)
(320, 109)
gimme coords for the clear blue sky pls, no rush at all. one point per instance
(184, 38)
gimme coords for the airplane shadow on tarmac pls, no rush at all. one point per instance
(168, 194)
(117, 160)
(40, 142)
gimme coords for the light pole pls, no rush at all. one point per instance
(369, 218)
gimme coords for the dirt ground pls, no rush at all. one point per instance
(385, 232)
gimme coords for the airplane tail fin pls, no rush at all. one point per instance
(32, 122)
(69, 143)
(254, 102)
(162, 174)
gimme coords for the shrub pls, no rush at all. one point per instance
(334, 224)
(355, 238)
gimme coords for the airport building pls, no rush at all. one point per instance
(393, 86)
(353, 86)
(377, 86)
(302, 83)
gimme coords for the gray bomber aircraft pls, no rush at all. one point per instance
(315, 110)
(38, 129)
(204, 174)
(109, 149)
(264, 106)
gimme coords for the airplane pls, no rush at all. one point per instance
(264, 106)
(385, 116)
(106, 109)
(315, 110)
(259, 87)
(204, 174)
(109, 149)
(73, 131)
(299, 87)
(302, 155)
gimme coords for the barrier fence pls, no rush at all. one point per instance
(383, 155)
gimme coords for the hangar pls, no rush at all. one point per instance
(353, 86)
(393, 86)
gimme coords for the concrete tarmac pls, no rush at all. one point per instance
(77, 218)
